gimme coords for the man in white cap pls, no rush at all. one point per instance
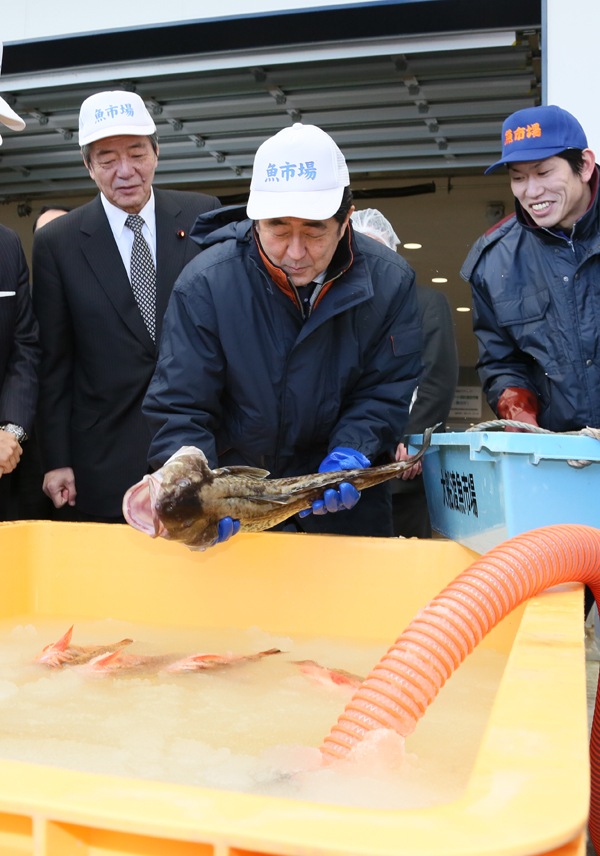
(19, 350)
(291, 343)
(103, 274)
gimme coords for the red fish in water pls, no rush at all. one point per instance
(117, 661)
(110, 662)
(57, 654)
(327, 677)
(201, 662)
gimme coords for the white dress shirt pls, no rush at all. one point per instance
(124, 236)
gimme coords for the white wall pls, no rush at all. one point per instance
(41, 19)
(573, 68)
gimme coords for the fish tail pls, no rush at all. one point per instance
(369, 478)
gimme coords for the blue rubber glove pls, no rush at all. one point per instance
(341, 458)
(227, 528)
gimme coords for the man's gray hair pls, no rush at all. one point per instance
(85, 150)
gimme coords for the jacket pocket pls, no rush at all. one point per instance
(523, 309)
(406, 341)
(84, 418)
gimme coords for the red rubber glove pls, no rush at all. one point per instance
(518, 404)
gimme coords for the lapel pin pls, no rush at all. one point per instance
(181, 234)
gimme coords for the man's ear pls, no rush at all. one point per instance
(344, 225)
(88, 166)
(589, 161)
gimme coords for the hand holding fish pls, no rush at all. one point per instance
(185, 500)
(227, 528)
(341, 458)
(413, 472)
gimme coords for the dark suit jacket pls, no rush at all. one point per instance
(97, 355)
(19, 349)
(437, 384)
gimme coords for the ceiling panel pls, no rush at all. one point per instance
(390, 115)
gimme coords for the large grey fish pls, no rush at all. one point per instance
(184, 500)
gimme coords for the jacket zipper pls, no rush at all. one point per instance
(297, 293)
(560, 237)
(285, 374)
(284, 385)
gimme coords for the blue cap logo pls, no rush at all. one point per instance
(537, 133)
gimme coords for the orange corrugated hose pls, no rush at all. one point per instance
(403, 684)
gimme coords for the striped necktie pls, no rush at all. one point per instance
(143, 274)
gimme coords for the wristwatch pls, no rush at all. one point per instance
(19, 432)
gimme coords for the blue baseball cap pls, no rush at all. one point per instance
(537, 133)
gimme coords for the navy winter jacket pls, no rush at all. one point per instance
(245, 378)
(536, 313)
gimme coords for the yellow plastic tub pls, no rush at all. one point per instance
(528, 791)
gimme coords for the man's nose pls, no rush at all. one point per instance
(125, 168)
(534, 187)
(296, 248)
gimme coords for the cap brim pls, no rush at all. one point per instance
(9, 118)
(117, 131)
(525, 157)
(307, 204)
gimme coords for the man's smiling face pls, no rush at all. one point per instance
(123, 169)
(550, 191)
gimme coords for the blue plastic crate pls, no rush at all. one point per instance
(485, 487)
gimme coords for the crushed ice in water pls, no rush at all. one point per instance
(253, 727)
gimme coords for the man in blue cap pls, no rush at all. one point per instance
(535, 278)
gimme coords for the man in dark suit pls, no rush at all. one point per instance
(433, 397)
(103, 275)
(19, 350)
(19, 357)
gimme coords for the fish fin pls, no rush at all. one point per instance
(245, 472)
(64, 641)
(281, 499)
(62, 644)
(104, 659)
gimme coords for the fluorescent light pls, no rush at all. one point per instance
(412, 246)
(463, 309)
(439, 279)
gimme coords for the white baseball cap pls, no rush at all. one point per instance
(300, 172)
(110, 114)
(8, 116)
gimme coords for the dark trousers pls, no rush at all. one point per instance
(409, 509)
(21, 494)
(71, 514)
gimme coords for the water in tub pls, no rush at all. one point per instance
(251, 726)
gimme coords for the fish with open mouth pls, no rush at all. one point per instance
(185, 500)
